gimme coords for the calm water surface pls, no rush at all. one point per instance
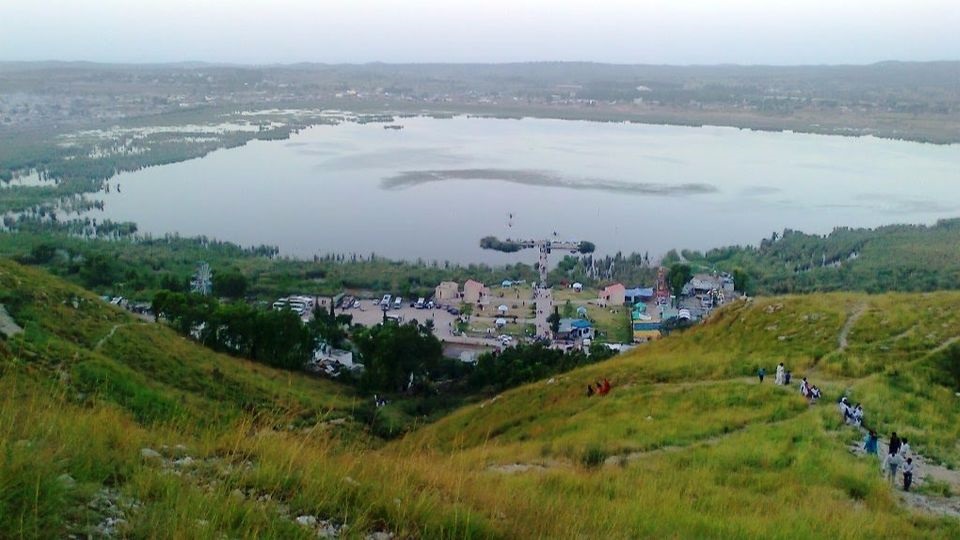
(433, 189)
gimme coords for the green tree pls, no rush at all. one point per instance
(393, 352)
(98, 270)
(554, 320)
(568, 310)
(42, 253)
(741, 280)
(229, 284)
(678, 276)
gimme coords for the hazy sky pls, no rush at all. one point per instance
(623, 31)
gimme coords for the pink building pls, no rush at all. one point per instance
(613, 295)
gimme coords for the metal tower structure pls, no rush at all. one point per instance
(203, 280)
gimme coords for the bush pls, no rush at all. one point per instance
(593, 457)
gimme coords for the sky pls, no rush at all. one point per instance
(355, 31)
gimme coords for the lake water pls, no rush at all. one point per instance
(434, 188)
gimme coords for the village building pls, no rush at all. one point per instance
(638, 294)
(645, 331)
(474, 292)
(613, 295)
(575, 329)
(446, 291)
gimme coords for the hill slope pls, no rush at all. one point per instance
(689, 444)
(113, 426)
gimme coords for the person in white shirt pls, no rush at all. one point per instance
(780, 370)
(907, 474)
(904, 448)
(890, 465)
(845, 413)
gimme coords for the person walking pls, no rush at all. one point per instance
(904, 450)
(870, 443)
(907, 474)
(892, 463)
(780, 373)
(761, 373)
(894, 446)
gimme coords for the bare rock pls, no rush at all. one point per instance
(306, 521)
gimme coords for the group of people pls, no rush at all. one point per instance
(898, 457)
(809, 391)
(602, 388)
(850, 414)
(783, 375)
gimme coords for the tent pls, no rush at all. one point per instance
(500, 322)
(578, 287)
(502, 309)
(506, 283)
(581, 310)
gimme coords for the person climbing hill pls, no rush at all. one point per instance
(870, 443)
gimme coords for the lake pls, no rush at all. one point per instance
(434, 188)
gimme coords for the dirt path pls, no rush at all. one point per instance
(925, 472)
(943, 346)
(858, 312)
(109, 335)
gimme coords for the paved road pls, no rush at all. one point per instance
(544, 298)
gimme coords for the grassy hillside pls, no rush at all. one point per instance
(105, 417)
(687, 444)
(889, 258)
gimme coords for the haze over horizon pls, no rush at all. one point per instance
(361, 31)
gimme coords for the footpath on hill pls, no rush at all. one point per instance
(926, 473)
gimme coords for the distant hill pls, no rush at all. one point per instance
(116, 427)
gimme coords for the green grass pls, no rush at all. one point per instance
(687, 443)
